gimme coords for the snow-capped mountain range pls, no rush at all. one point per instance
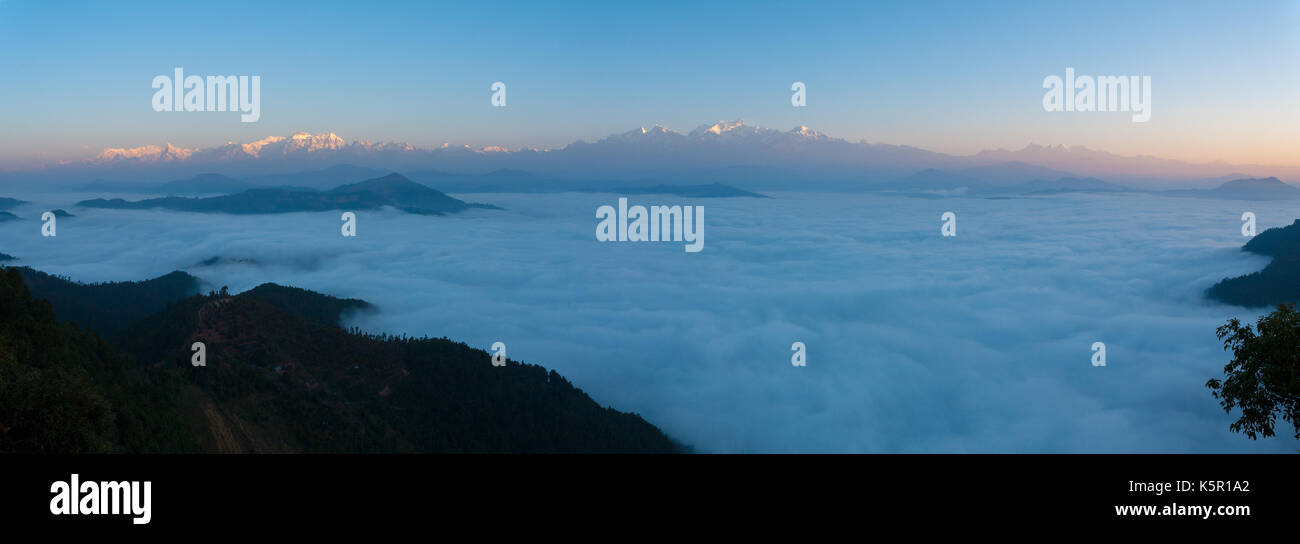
(271, 146)
(725, 151)
(735, 132)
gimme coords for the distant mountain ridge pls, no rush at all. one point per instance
(952, 182)
(392, 190)
(205, 183)
(1068, 185)
(693, 157)
(1269, 188)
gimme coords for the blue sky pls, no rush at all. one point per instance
(951, 76)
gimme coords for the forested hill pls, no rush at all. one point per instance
(1277, 283)
(280, 381)
(309, 305)
(107, 307)
(63, 390)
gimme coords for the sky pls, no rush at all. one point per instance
(955, 77)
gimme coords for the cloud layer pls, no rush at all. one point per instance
(916, 342)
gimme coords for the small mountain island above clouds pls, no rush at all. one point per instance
(7, 203)
(517, 181)
(1269, 188)
(1006, 179)
(1068, 185)
(996, 181)
(393, 190)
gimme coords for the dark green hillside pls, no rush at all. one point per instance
(280, 376)
(63, 390)
(309, 305)
(107, 307)
(1277, 283)
(279, 382)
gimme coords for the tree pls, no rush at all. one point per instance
(1263, 378)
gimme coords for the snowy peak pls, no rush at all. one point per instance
(655, 134)
(270, 146)
(147, 153)
(737, 136)
(657, 129)
(805, 132)
(721, 127)
(740, 131)
(314, 142)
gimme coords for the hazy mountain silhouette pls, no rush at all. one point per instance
(519, 181)
(114, 186)
(1066, 185)
(712, 190)
(1011, 173)
(322, 179)
(392, 190)
(799, 158)
(932, 179)
(1244, 189)
(204, 184)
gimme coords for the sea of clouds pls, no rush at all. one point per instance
(915, 342)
